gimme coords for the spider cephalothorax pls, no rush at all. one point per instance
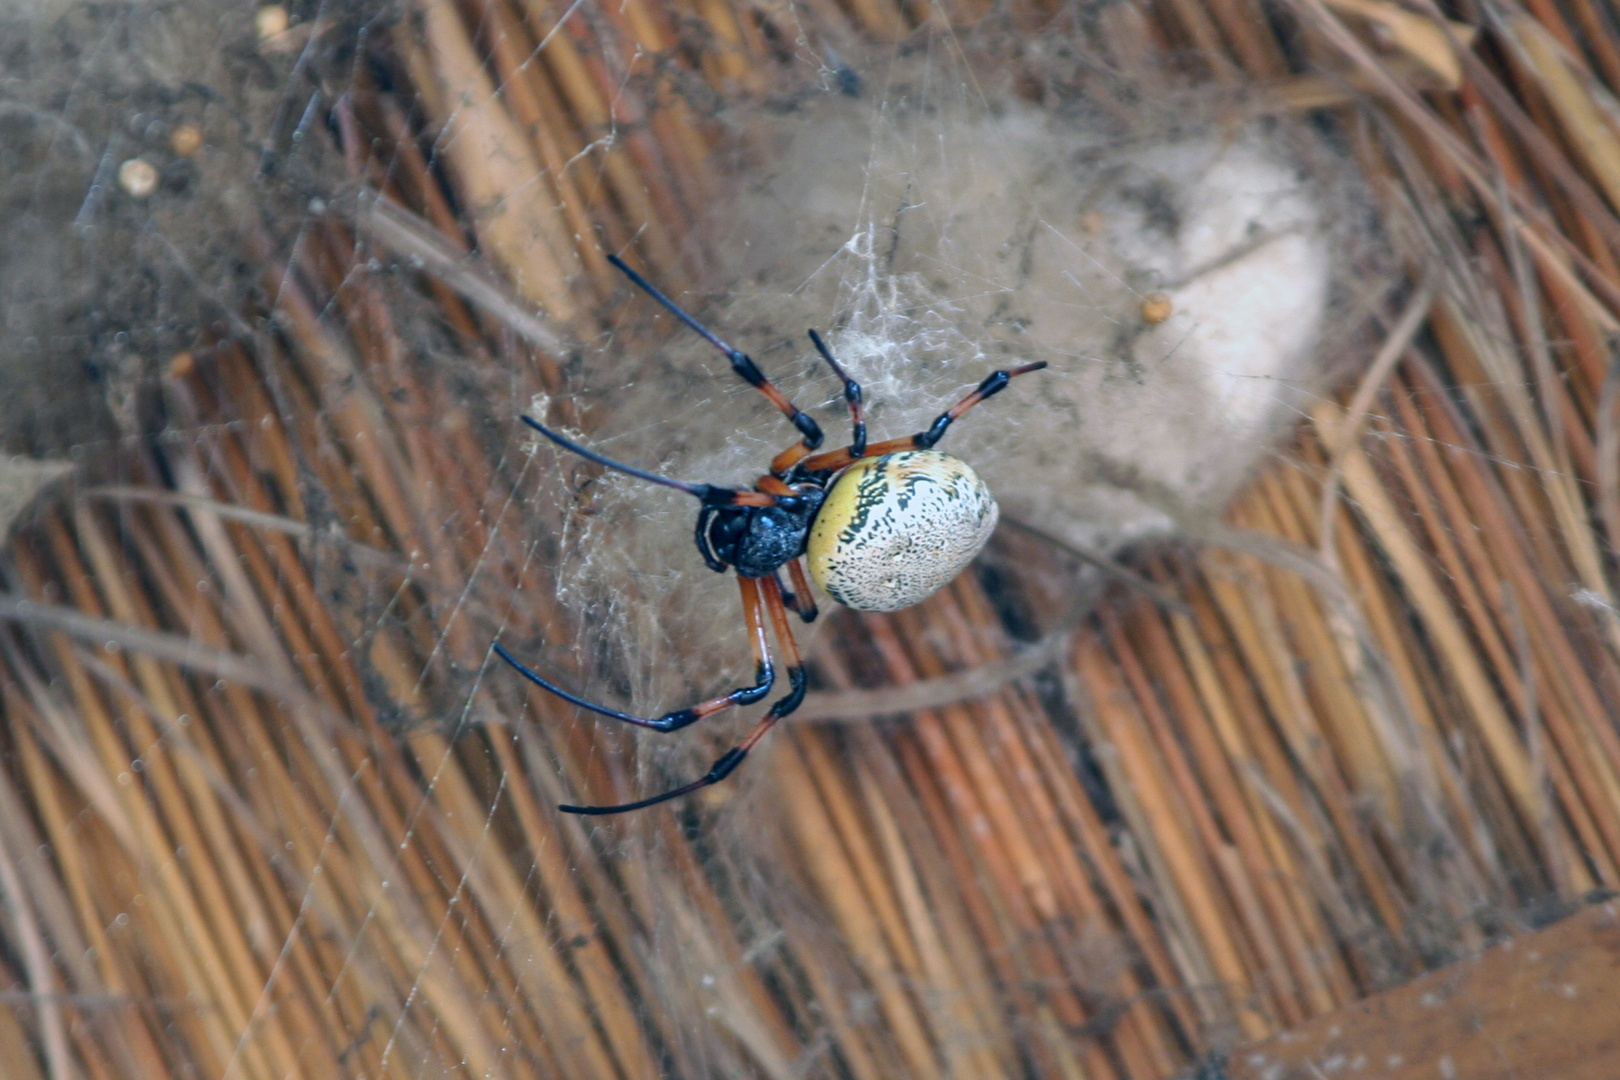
(882, 527)
(758, 540)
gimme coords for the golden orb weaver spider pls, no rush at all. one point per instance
(882, 527)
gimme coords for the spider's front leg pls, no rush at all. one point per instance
(765, 674)
(852, 397)
(993, 384)
(741, 363)
(727, 762)
(790, 457)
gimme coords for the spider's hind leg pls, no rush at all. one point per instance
(765, 675)
(727, 762)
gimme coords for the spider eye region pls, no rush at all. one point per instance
(893, 530)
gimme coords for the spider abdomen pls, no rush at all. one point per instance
(893, 530)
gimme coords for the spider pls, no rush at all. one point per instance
(882, 527)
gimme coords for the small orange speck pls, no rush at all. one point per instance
(186, 139)
(1156, 308)
(182, 364)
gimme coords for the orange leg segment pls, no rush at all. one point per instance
(801, 599)
(764, 674)
(993, 384)
(728, 761)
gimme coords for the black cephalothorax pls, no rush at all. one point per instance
(758, 540)
(759, 531)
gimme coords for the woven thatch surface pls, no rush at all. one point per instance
(1376, 727)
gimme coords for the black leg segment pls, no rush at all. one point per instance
(765, 675)
(741, 362)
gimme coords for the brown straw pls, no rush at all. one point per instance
(268, 812)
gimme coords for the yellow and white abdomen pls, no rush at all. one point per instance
(894, 530)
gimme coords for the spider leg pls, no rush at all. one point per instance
(994, 383)
(729, 760)
(773, 485)
(857, 414)
(741, 363)
(765, 675)
(852, 396)
(710, 495)
(800, 600)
